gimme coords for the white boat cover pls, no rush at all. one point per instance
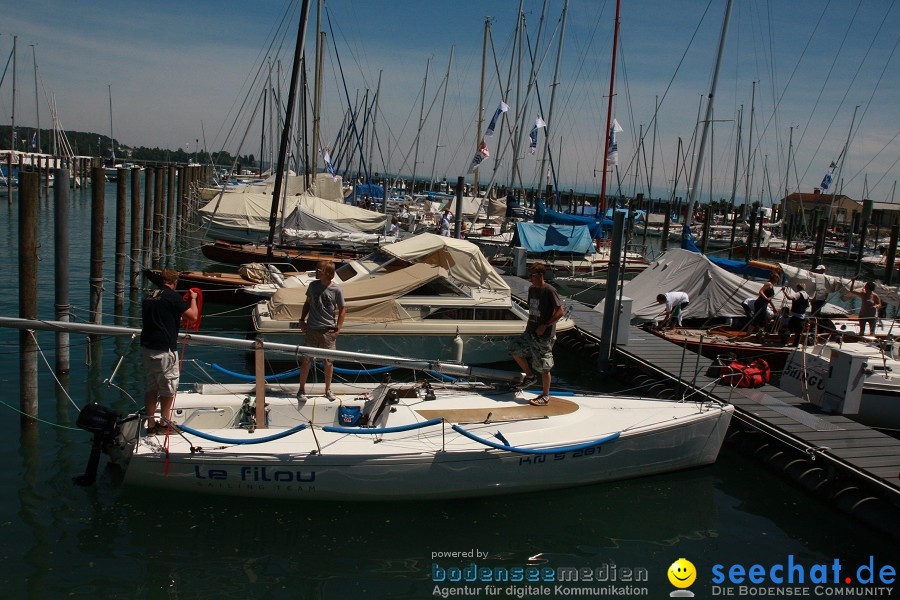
(248, 210)
(463, 260)
(713, 291)
(372, 300)
(815, 281)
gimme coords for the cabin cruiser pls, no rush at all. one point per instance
(428, 296)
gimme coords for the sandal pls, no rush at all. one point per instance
(541, 400)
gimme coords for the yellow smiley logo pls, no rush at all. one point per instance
(682, 573)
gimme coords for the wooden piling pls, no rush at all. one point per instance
(149, 179)
(170, 216)
(61, 263)
(891, 255)
(667, 221)
(182, 205)
(135, 228)
(748, 254)
(29, 189)
(159, 218)
(789, 239)
(121, 203)
(818, 255)
(707, 217)
(98, 200)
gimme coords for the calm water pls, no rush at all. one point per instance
(104, 541)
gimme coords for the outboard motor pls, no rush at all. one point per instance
(103, 423)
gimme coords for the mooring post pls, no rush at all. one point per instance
(667, 221)
(98, 200)
(149, 179)
(819, 254)
(259, 355)
(170, 216)
(611, 304)
(891, 254)
(707, 217)
(121, 203)
(29, 188)
(182, 210)
(61, 263)
(457, 218)
(159, 217)
(135, 227)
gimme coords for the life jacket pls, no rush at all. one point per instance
(751, 375)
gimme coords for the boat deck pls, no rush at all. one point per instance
(857, 450)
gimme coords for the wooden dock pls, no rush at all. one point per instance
(825, 453)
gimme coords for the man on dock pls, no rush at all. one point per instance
(161, 313)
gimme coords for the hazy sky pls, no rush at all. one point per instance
(183, 71)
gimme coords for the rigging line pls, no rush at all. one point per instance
(855, 75)
(822, 91)
(274, 35)
(893, 164)
(50, 369)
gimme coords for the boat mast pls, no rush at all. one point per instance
(612, 87)
(286, 131)
(709, 112)
(112, 143)
(419, 131)
(843, 158)
(787, 178)
(751, 152)
(317, 98)
(478, 134)
(12, 130)
(437, 144)
(37, 103)
(553, 87)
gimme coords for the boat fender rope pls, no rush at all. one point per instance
(215, 438)
(558, 450)
(374, 431)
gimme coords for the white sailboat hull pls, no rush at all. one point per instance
(434, 462)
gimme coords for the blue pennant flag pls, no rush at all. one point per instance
(500, 110)
(826, 181)
(538, 123)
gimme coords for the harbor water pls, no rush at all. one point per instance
(109, 541)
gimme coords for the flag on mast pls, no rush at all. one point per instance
(328, 164)
(826, 181)
(500, 110)
(479, 157)
(612, 157)
(538, 123)
(34, 141)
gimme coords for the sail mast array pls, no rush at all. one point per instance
(692, 192)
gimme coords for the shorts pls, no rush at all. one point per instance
(321, 338)
(795, 325)
(872, 321)
(161, 367)
(537, 350)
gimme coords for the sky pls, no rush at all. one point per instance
(189, 74)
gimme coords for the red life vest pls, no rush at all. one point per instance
(751, 375)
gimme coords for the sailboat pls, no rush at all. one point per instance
(474, 436)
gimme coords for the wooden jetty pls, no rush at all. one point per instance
(854, 467)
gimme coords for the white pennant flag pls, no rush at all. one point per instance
(612, 157)
(500, 110)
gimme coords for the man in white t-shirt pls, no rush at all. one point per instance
(675, 303)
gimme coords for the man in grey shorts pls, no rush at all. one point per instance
(321, 320)
(161, 313)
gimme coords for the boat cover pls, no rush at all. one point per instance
(542, 214)
(816, 281)
(463, 260)
(539, 237)
(372, 300)
(738, 267)
(251, 211)
(713, 291)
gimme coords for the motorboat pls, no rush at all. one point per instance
(859, 379)
(428, 296)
